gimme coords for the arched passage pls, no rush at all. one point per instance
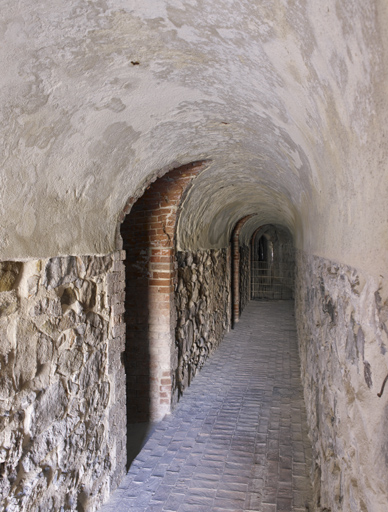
(289, 102)
(272, 263)
(148, 234)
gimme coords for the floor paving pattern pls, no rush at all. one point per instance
(237, 441)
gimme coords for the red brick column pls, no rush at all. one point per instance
(236, 267)
(252, 245)
(149, 240)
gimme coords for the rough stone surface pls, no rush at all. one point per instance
(342, 317)
(202, 300)
(9, 271)
(286, 101)
(58, 448)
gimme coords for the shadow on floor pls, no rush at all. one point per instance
(137, 436)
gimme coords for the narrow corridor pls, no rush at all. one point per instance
(238, 439)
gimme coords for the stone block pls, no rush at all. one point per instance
(26, 336)
(70, 361)
(86, 292)
(60, 271)
(97, 265)
(44, 352)
(118, 330)
(118, 309)
(50, 406)
(9, 303)
(9, 272)
(119, 255)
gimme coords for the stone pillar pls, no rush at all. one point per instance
(115, 296)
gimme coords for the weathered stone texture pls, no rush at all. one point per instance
(245, 276)
(343, 334)
(9, 271)
(203, 312)
(57, 446)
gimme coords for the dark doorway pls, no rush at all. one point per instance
(137, 355)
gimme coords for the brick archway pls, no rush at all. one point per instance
(148, 234)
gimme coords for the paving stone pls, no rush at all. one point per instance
(203, 483)
(155, 507)
(253, 501)
(237, 441)
(268, 507)
(284, 504)
(192, 507)
(197, 499)
(162, 493)
(229, 503)
(174, 502)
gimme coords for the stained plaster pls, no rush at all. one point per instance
(286, 98)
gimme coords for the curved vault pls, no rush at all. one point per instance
(287, 99)
(252, 227)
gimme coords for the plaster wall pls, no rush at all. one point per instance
(286, 99)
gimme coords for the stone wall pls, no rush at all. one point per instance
(245, 276)
(342, 319)
(203, 312)
(62, 416)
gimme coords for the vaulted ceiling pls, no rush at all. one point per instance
(286, 99)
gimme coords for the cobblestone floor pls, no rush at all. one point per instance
(238, 439)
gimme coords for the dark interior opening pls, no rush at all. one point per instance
(273, 261)
(137, 355)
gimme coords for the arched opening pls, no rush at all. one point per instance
(272, 263)
(148, 235)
